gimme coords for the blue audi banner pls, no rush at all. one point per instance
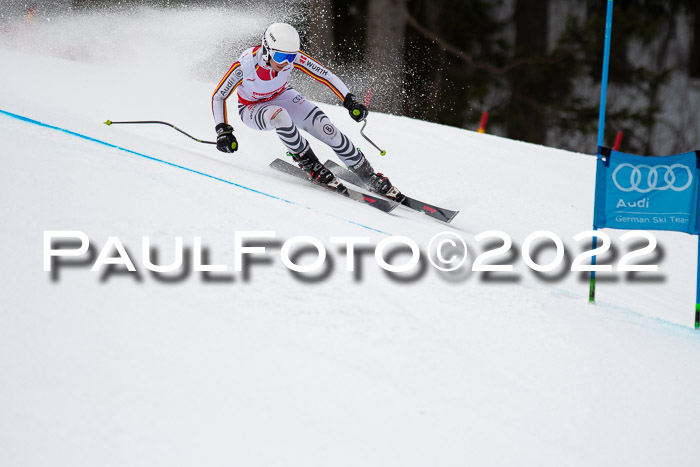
(647, 193)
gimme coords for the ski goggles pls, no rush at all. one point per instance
(281, 57)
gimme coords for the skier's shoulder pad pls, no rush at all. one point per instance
(249, 54)
(248, 59)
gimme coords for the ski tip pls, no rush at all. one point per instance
(108, 122)
(452, 217)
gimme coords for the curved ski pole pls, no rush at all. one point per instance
(110, 122)
(382, 152)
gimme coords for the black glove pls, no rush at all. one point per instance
(358, 111)
(225, 141)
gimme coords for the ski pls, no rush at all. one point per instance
(431, 210)
(370, 200)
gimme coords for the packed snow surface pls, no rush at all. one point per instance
(263, 367)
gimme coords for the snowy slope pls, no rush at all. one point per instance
(100, 368)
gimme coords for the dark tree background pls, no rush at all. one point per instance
(384, 56)
(535, 65)
(526, 112)
(537, 74)
(695, 53)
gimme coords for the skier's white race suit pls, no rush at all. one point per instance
(267, 102)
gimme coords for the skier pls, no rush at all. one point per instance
(267, 102)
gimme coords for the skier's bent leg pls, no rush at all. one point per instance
(355, 160)
(300, 149)
(279, 119)
(317, 123)
(320, 126)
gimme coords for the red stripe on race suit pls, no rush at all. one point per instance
(267, 99)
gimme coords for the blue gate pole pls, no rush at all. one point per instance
(604, 80)
(697, 291)
(601, 122)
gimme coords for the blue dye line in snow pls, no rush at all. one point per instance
(114, 146)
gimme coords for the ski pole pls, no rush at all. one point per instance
(110, 122)
(382, 152)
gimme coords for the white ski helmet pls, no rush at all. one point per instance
(282, 38)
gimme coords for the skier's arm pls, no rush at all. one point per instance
(225, 141)
(322, 74)
(358, 110)
(233, 77)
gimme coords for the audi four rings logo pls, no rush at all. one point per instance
(658, 177)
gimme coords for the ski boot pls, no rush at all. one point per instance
(376, 182)
(309, 163)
